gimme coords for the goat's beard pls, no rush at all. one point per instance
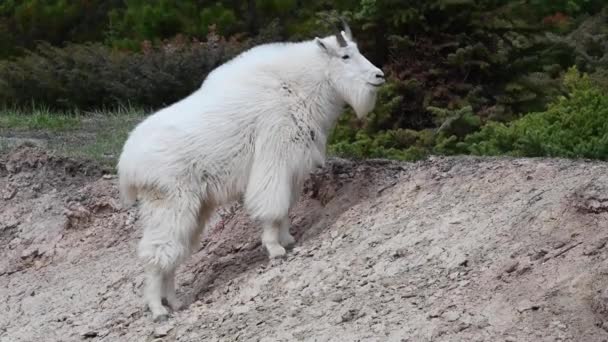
(362, 100)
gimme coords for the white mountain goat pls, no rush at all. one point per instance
(254, 130)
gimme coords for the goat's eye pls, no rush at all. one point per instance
(345, 57)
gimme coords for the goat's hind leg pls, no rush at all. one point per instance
(170, 225)
(169, 296)
(153, 292)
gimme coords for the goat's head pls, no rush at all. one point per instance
(354, 77)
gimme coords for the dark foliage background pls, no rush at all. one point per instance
(465, 76)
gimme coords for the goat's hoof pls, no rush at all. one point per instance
(159, 314)
(160, 317)
(276, 251)
(174, 304)
(287, 240)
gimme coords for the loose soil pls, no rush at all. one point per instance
(446, 249)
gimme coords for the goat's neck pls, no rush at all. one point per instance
(321, 104)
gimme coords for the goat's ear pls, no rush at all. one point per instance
(321, 45)
(324, 47)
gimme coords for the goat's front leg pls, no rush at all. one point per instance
(271, 239)
(285, 238)
(270, 191)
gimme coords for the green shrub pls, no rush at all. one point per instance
(95, 76)
(495, 56)
(571, 7)
(141, 20)
(575, 126)
(379, 136)
(453, 65)
(23, 23)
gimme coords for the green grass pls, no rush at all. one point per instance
(37, 118)
(110, 130)
(97, 135)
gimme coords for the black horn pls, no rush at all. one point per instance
(338, 33)
(347, 30)
(340, 37)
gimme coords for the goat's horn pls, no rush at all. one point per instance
(340, 38)
(338, 33)
(347, 30)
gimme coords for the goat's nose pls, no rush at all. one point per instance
(380, 75)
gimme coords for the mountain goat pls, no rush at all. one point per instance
(254, 130)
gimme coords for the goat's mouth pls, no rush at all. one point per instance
(375, 85)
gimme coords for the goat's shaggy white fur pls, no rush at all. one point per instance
(256, 128)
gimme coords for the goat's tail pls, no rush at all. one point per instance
(128, 192)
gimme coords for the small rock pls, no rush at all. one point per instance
(595, 247)
(558, 244)
(336, 297)
(378, 328)
(89, 334)
(9, 194)
(163, 330)
(482, 323)
(524, 269)
(451, 315)
(317, 314)
(103, 333)
(463, 283)
(527, 305)
(462, 326)
(409, 294)
(435, 313)
(559, 325)
(9, 225)
(31, 251)
(399, 253)
(538, 255)
(510, 267)
(458, 260)
(76, 215)
(348, 315)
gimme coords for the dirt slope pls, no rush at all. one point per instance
(449, 249)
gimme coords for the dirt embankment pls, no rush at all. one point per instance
(449, 249)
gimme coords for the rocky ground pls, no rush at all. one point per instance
(448, 249)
